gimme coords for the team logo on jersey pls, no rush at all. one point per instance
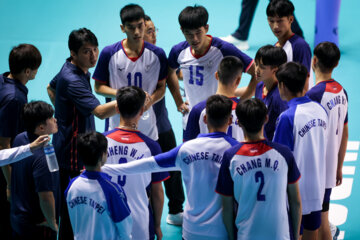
(120, 69)
(125, 138)
(147, 68)
(254, 150)
(210, 63)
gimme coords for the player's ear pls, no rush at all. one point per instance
(205, 119)
(230, 120)
(291, 19)
(122, 27)
(266, 119)
(117, 108)
(206, 28)
(238, 79)
(217, 75)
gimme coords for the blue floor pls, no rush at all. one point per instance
(47, 25)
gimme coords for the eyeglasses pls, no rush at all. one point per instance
(151, 31)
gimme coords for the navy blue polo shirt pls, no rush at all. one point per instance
(13, 97)
(29, 177)
(162, 120)
(73, 106)
(275, 107)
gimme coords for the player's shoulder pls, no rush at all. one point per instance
(224, 46)
(282, 149)
(153, 48)
(112, 48)
(199, 107)
(299, 44)
(176, 49)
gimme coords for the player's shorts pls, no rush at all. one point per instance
(311, 221)
(326, 202)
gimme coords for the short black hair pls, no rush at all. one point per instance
(229, 68)
(147, 18)
(271, 56)
(251, 114)
(24, 56)
(131, 12)
(218, 110)
(36, 113)
(280, 8)
(79, 37)
(293, 75)
(91, 146)
(328, 55)
(193, 17)
(130, 100)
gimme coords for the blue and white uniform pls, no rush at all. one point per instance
(199, 160)
(199, 71)
(127, 146)
(298, 50)
(256, 174)
(196, 125)
(117, 70)
(303, 128)
(12, 155)
(333, 97)
(97, 208)
(274, 104)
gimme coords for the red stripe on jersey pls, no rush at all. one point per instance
(295, 181)
(234, 104)
(125, 136)
(333, 87)
(133, 58)
(161, 180)
(253, 149)
(199, 56)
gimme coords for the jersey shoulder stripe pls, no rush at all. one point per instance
(253, 149)
(124, 136)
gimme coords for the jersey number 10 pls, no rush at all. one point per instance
(137, 79)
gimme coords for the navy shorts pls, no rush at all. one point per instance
(311, 221)
(326, 202)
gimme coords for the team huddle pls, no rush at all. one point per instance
(257, 162)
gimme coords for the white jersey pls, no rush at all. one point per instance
(303, 128)
(257, 175)
(199, 161)
(97, 208)
(331, 95)
(127, 146)
(117, 70)
(196, 125)
(12, 155)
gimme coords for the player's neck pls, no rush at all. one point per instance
(128, 124)
(96, 168)
(18, 77)
(286, 37)
(84, 69)
(226, 91)
(253, 137)
(204, 48)
(270, 84)
(320, 76)
(132, 48)
(219, 129)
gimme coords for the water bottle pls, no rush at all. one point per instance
(51, 158)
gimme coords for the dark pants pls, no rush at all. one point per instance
(173, 186)
(65, 229)
(248, 8)
(38, 233)
(5, 227)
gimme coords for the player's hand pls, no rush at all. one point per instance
(184, 108)
(148, 102)
(339, 177)
(53, 226)
(158, 233)
(39, 142)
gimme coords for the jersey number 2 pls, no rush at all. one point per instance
(199, 76)
(137, 79)
(122, 178)
(259, 176)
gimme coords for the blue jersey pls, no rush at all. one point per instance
(127, 146)
(275, 106)
(333, 97)
(196, 125)
(117, 70)
(199, 71)
(303, 128)
(28, 178)
(97, 208)
(256, 174)
(74, 104)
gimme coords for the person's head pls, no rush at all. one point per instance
(218, 112)
(252, 115)
(326, 57)
(133, 22)
(280, 15)
(92, 148)
(24, 59)
(229, 71)
(267, 61)
(39, 118)
(150, 31)
(193, 23)
(292, 78)
(130, 101)
(83, 46)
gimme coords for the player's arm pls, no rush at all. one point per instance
(157, 94)
(52, 94)
(124, 228)
(295, 207)
(249, 91)
(341, 154)
(5, 144)
(157, 202)
(105, 110)
(228, 215)
(47, 205)
(173, 84)
(104, 90)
